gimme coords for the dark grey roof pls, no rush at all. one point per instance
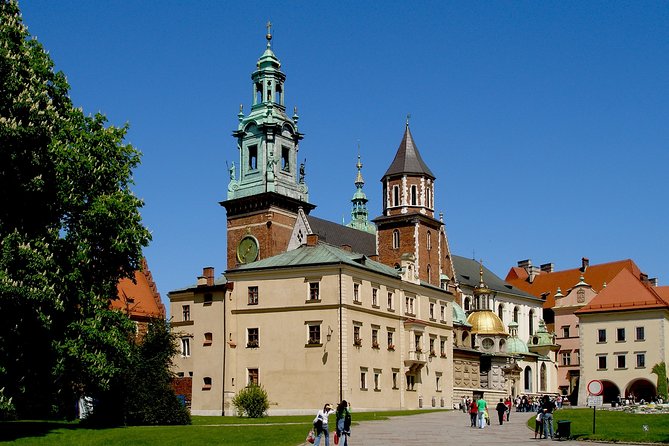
(407, 159)
(467, 273)
(339, 235)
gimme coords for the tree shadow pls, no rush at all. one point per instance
(13, 430)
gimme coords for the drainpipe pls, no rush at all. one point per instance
(341, 371)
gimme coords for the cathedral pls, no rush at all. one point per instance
(377, 312)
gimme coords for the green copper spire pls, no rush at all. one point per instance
(267, 138)
(359, 213)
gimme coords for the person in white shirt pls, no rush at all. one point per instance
(321, 425)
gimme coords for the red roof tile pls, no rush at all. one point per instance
(548, 283)
(625, 292)
(140, 300)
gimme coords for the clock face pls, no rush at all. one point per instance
(247, 250)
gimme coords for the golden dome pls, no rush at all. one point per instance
(486, 322)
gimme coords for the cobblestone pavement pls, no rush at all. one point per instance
(448, 428)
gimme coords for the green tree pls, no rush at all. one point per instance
(661, 371)
(70, 228)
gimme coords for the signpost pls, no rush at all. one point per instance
(595, 398)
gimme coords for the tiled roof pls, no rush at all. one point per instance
(140, 300)
(626, 292)
(467, 272)
(319, 254)
(339, 235)
(407, 159)
(548, 283)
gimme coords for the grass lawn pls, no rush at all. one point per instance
(614, 426)
(283, 431)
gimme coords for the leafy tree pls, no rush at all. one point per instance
(661, 371)
(70, 228)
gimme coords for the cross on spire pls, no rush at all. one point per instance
(408, 118)
(269, 32)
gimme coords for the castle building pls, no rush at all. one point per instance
(312, 310)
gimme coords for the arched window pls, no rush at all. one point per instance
(502, 345)
(396, 195)
(500, 312)
(531, 322)
(429, 240)
(429, 197)
(414, 195)
(466, 303)
(542, 377)
(396, 239)
(515, 314)
(527, 375)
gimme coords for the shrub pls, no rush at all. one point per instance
(7, 410)
(251, 401)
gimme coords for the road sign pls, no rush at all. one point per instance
(595, 401)
(595, 387)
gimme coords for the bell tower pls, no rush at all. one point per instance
(407, 225)
(267, 185)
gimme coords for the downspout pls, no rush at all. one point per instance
(341, 371)
(225, 349)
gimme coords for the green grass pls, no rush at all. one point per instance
(613, 426)
(210, 431)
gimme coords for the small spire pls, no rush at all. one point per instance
(268, 36)
(295, 116)
(240, 115)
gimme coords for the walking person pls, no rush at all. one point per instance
(549, 407)
(482, 408)
(473, 412)
(501, 409)
(538, 424)
(343, 415)
(508, 408)
(321, 425)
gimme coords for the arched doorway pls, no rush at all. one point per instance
(642, 389)
(527, 379)
(611, 391)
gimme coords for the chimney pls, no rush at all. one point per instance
(533, 272)
(347, 248)
(208, 273)
(312, 239)
(644, 277)
(653, 281)
(525, 264)
(585, 263)
(547, 268)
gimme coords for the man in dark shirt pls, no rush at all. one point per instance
(549, 407)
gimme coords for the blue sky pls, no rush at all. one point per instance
(545, 123)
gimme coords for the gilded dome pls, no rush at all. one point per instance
(486, 322)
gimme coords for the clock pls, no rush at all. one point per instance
(247, 250)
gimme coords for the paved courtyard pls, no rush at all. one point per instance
(447, 428)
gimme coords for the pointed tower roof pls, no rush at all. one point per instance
(407, 159)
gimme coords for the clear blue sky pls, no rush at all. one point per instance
(545, 123)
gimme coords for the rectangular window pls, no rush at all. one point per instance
(417, 343)
(621, 361)
(565, 331)
(391, 344)
(442, 347)
(620, 335)
(185, 309)
(375, 338)
(357, 340)
(390, 300)
(314, 291)
(641, 360)
(438, 381)
(363, 379)
(356, 292)
(442, 313)
(601, 335)
(253, 295)
(433, 352)
(395, 375)
(252, 338)
(285, 159)
(377, 379)
(409, 302)
(185, 347)
(431, 310)
(566, 358)
(375, 297)
(314, 334)
(253, 157)
(253, 377)
(411, 382)
(601, 362)
(640, 334)
(206, 383)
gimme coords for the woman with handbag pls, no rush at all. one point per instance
(343, 415)
(321, 425)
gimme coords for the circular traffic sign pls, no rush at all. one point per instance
(595, 387)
